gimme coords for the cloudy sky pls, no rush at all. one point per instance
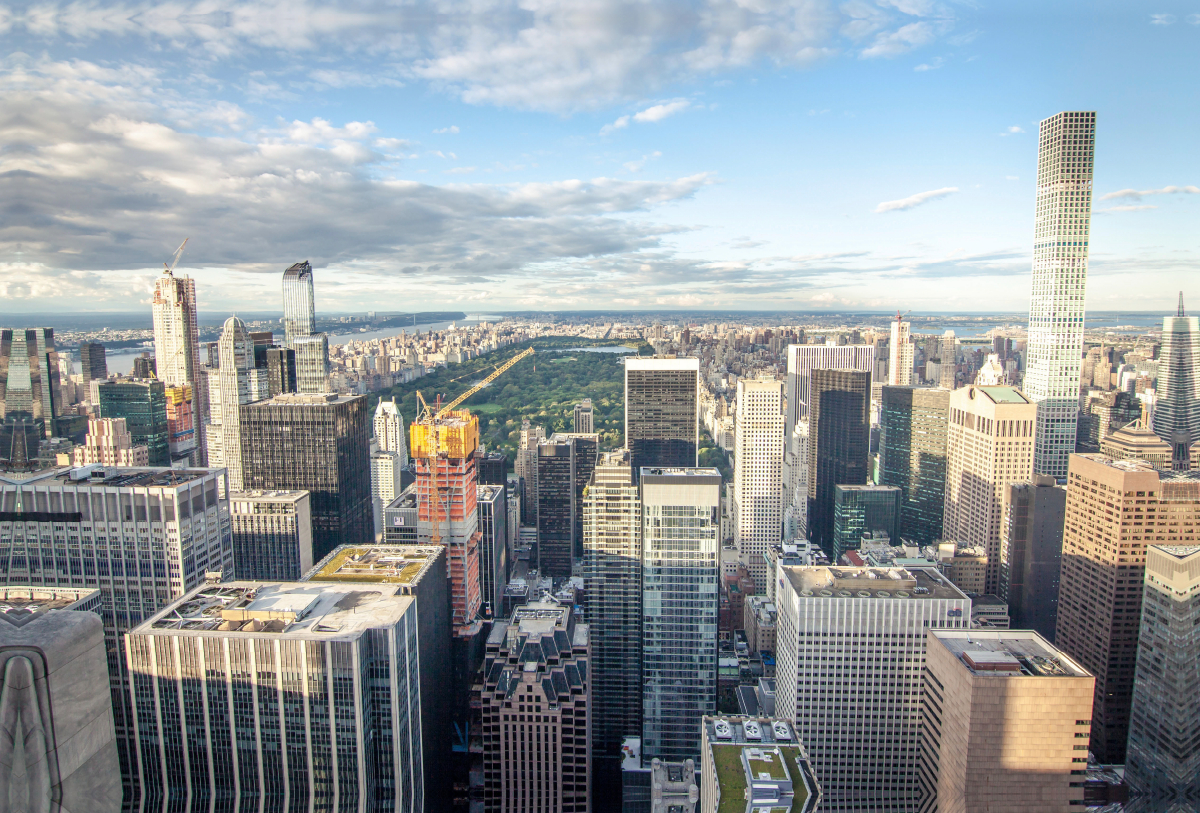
(490, 155)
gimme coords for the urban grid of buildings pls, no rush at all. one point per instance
(816, 567)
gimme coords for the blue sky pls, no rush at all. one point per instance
(498, 155)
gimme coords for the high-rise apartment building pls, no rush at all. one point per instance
(418, 571)
(281, 693)
(681, 571)
(758, 473)
(235, 383)
(55, 700)
(143, 405)
(143, 537)
(525, 466)
(1177, 414)
(493, 547)
(300, 330)
(30, 381)
(109, 443)
(662, 412)
(583, 417)
(537, 712)
(1163, 760)
(391, 433)
(850, 650)
(312, 363)
(1115, 510)
(754, 764)
(272, 534)
(913, 431)
(949, 356)
(990, 444)
(92, 362)
(447, 510)
(839, 420)
(1031, 536)
(1066, 145)
(864, 511)
(386, 484)
(804, 358)
(612, 579)
(795, 512)
(1004, 722)
(900, 355)
(177, 343)
(314, 443)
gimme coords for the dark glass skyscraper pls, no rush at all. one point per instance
(839, 416)
(493, 545)
(662, 412)
(912, 457)
(281, 370)
(143, 405)
(1031, 539)
(92, 361)
(30, 390)
(318, 443)
(860, 511)
(556, 506)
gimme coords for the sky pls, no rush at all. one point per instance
(492, 155)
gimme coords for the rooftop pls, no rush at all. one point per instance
(377, 564)
(1004, 395)
(298, 609)
(267, 496)
(871, 582)
(41, 599)
(305, 399)
(760, 765)
(1007, 653)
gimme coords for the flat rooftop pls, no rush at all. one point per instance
(267, 496)
(37, 599)
(871, 582)
(375, 564)
(1007, 653)
(113, 476)
(306, 399)
(297, 609)
(1004, 395)
(760, 755)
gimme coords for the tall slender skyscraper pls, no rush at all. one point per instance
(1056, 306)
(1178, 408)
(177, 343)
(680, 571)
(839, 419)
(758, 473)
(390, 432)
(662, 412)
(900, 354)
(300, 330)
(229, 388)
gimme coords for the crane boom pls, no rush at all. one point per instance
(495, 374)
(170, 269)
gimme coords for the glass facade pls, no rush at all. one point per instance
(839, 443)
(860, 511)
(912, 457)
(556, 506)
(662, 406)
(143, 405)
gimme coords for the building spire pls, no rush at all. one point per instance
(1180, 312)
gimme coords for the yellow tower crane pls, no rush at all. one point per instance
(430, 419)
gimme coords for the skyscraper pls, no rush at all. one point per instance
(386, 484)
(300, 330)
(804, 358)
(281, 370)
(1060, 259)
(109, 443)
(177, 343)
(662, 412)
(272, 534)
(1003, 719)
(537, 712)
(309, 695)
(1177, 416)
(758, 473)
(680, 572)
(585, 450)
(230, 387)
(850, 650)
(861, 511)
(92, 362)
(390, 430)
(299, 308)
(583, 416)
(493, 547)
(315, 443)
(990, 445)
(556, 506)
(612, 579)
(525, 466)
(949, 356)
(1114, 510)
(900, 355)
(143, 405)
(30, 388)
(914, 424)
(119, 531)
(181, 423)
(1031, 536)
(1162, 760)
(839, 442)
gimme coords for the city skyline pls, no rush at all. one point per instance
(810, 157)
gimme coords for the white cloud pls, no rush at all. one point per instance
(636, 166)
(1012, 177)
(1135, 194)
(1131, 208)
(932, 65)
(915, 200)
(619, 124)
(1194, 19)
(451, 129)
(1013, 130)
(659, 112)
(1162, 19)
(534, 54)
(461, 170)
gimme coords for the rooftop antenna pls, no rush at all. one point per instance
(170, 269)
(1180, 311)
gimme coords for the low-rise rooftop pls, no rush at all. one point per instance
(280, 608)
(375, 564)
(871, 582)
(1007, 653)
(760, 766)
